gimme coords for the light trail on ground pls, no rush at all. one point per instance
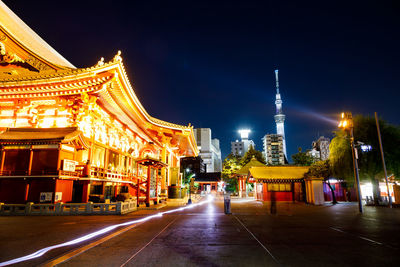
(43, 251)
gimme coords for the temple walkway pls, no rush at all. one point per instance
(296, 235)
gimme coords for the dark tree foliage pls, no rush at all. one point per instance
(320, 169)
(229, 166)
(252, 152)
(340, 158)
(302, 158)
(370, 162)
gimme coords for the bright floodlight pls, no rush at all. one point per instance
(244, 133)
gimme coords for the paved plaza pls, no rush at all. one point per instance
(297, 235)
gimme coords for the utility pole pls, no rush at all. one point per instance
(383, 159)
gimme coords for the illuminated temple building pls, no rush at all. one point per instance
(77, 134)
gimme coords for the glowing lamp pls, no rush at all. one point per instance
(244, 133)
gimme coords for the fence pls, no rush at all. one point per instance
(89, 208)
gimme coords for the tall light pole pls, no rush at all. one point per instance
(346, 123)
(383, 159)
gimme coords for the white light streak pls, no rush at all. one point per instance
(42, 251)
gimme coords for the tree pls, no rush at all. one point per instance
(322, 169)
(370, 162)
(229, 166)
(302, 158)
(340, 158)
(250, 154)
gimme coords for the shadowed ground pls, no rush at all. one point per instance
(297, 235)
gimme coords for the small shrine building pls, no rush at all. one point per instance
(242, 176)
(278, 183)
(78, 134)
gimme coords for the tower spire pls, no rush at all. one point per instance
(279, 117)
(277, 81)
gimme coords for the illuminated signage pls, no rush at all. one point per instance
(69, 165)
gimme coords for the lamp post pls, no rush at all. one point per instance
(190, 189)
(346, 123)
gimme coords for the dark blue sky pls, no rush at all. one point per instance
(211, 64)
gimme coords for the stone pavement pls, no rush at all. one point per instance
(297, 235)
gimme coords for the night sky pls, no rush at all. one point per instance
(212, 64)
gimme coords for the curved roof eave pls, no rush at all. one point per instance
(22, 33)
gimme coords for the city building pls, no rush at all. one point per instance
(274, 149)
(209, 149)
(240, 148)
(322, 146)
(320, 149)
(280, 117)
(78, 134)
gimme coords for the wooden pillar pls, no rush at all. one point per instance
(156, 194)
(59, 158)
(148, 186)
(30, 161)
(26, 191)
(3, 157)
(106, 159)
(139, 181)
(163, 170)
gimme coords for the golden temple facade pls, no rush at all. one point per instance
(78, 134)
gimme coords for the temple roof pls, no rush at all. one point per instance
(252, 163)
(41, 135)
(25, 36)
(278, 172)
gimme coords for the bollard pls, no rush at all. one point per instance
(58, 208)
(227, 203)
(28, 208)
(118, 207)
(88, 208)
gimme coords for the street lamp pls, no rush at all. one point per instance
(346, 123)
(190, 187)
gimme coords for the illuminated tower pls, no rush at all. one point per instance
(279, 117)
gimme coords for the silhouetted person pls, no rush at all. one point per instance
(273, 202)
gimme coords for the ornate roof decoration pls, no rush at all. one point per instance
(22, 34)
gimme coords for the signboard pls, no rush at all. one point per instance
(46, 196)
(69, 165)
(58, 197)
